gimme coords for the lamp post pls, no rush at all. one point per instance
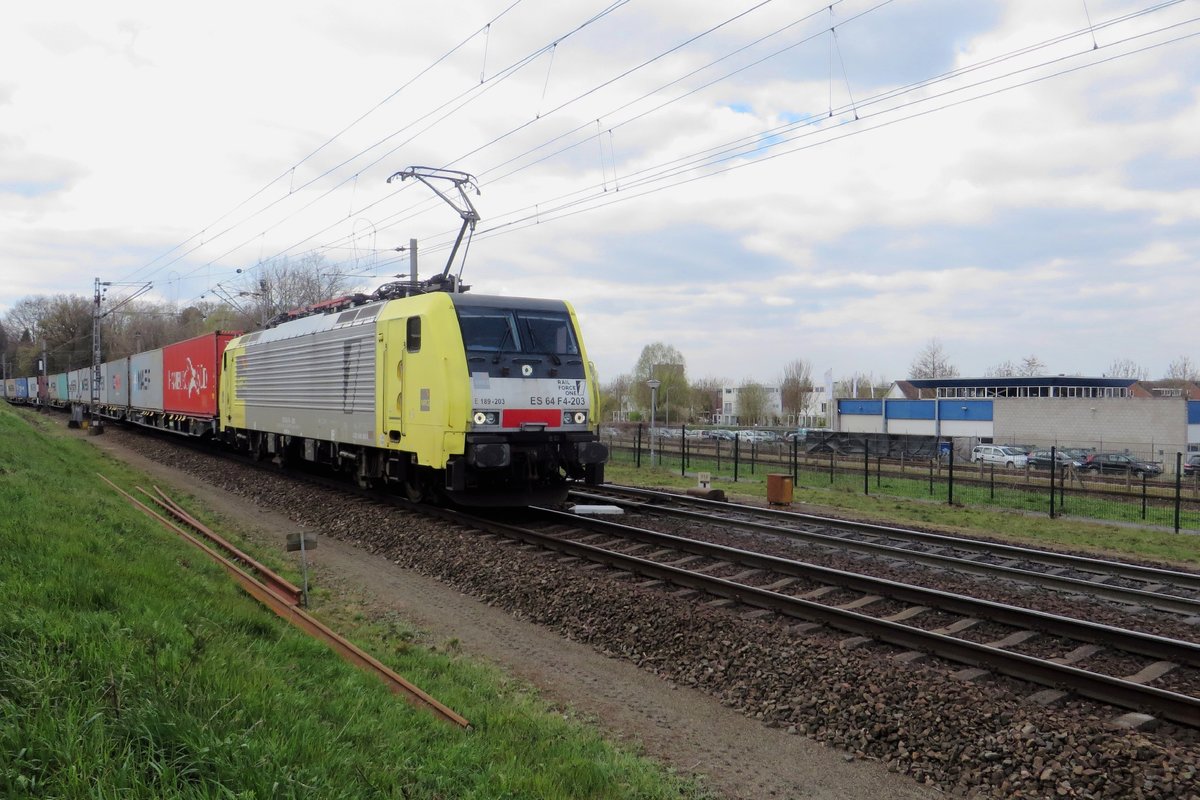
(653, 384)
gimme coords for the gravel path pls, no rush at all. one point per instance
(648, 665)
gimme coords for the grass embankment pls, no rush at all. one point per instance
(1026, 528)
(131, 666)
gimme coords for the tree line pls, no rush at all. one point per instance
(61, 325)
(681, 400)
(933, 362)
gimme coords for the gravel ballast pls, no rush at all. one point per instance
(969, 738)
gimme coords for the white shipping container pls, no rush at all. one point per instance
(146, 381)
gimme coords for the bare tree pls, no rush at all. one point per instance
(276, 286)
(1005, 369)
(752, 403)
(26, 315)
(860, 384)
(796, 386)
(706, 398)
(1183, 369)
(1031, 366)
(1127, 368)
(932, 362)
(62, 324)
(614, 395)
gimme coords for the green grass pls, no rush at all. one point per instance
(1029, 526)
(132, 667)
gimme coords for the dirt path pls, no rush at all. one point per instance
(681, 727)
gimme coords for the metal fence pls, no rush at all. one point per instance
(921, 471)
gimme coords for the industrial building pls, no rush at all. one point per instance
(1149, 419)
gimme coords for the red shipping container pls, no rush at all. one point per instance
(191, 370)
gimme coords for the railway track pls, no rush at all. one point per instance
(984, 637)
(1172, 591)
(819, 596)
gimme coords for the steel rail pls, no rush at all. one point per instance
(1188, 580)
(1136, 642)
(1113, 691)
(306, 622)
(1132, 596)
(277, 583)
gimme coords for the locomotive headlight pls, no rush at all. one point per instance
(480, 418)
(580, 417)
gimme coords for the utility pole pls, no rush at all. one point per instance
(95, 425)
(43, 385)
(96, 346)
(412, 264)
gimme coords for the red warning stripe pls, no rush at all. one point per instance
(516, 417)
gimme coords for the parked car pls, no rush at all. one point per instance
(1006, 456)
(718, 433)
(1120, 463)
(1077, 453)
(1040, 459)
(1191, 464)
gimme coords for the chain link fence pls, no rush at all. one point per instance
(921, 468)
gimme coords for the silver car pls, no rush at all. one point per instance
(1010, 457)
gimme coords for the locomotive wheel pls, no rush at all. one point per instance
(414, 489)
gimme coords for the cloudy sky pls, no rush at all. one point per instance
(751, 182)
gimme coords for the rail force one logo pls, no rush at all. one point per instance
(191, 379)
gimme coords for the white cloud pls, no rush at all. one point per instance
(1004, 225)
(1157, 253)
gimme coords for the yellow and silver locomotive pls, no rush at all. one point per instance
(485, 400)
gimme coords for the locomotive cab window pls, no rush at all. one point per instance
(548, 332)
(489, 329)
(413, 338)
(505, 330)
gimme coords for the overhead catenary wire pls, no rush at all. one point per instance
(466, 97)
(547, 209)
(292, 169)
(692, 39)
(504, 73)
(808, 120)
(547, 216)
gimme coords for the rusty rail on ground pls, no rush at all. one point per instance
(281, 605)
(274, 581)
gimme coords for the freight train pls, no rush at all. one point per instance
(481, 400)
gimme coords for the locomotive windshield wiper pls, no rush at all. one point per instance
(533, 341)
(500, 350)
